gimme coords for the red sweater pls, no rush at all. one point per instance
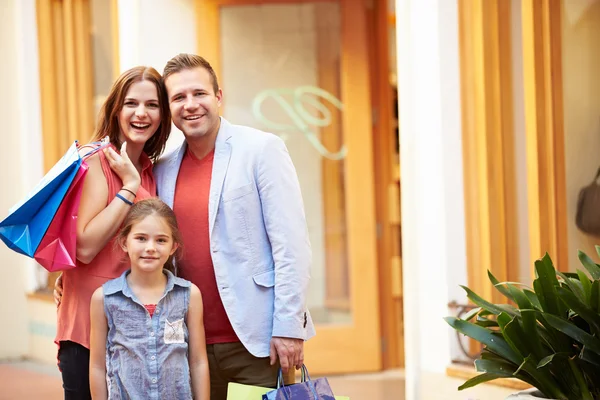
(191, 207)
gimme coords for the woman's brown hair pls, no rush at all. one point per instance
(108, 118)
(145, 208)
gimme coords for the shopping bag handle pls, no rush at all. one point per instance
(304, 378)
(96, 147)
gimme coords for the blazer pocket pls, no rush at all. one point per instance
(238, 192)
(265, 279)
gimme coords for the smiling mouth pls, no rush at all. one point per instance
(192, 117)
(138, 125)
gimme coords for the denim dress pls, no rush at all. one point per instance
(147, 358)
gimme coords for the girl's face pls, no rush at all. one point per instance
(149, 244)
(140, 116)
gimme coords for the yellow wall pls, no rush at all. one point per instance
(581, 77)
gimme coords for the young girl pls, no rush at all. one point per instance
(136, 119)
(147, 335)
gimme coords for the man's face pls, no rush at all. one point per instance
(194, 104)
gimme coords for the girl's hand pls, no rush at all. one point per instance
(123, 167)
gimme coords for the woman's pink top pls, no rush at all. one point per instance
(80, 282)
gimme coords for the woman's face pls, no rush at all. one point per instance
(140, 116)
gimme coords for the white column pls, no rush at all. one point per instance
(433, 232)
(128, 13)
(29, 114)
(151, 32)
(20, 161)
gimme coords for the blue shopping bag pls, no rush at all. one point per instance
(307, 389)
(26, 224)
(237, 391)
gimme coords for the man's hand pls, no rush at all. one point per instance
(58, 290)
(290, 352)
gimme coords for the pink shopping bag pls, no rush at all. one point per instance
(58, 249)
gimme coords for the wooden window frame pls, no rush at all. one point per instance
(387, 188)
(488, 139)
(544, 119)
(488, 144)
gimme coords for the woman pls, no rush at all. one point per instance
(136, 119)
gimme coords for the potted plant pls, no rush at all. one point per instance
(549, 338)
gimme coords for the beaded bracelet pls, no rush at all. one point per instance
(124, 199)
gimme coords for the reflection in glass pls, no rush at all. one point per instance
(292, 103)
(281, 73)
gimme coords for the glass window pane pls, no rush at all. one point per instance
(281, 74)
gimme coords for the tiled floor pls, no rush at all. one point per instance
(388, 385)
(31, 381)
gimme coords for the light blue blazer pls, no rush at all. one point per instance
(258, 234)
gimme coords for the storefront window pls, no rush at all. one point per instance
(281, 73)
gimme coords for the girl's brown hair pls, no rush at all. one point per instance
(145, 208)
(108, 118)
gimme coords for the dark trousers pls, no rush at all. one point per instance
(74, 363)
(231, 362)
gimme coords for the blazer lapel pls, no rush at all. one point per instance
(219, 171)
(169, 178)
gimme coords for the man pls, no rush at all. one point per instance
(237, 199)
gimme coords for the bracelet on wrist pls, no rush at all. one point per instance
(128, 190)
(129, 203)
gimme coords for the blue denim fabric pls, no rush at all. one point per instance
(147, 358)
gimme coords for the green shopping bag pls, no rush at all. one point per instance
(237, 391)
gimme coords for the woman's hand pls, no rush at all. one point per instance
(123, 167)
